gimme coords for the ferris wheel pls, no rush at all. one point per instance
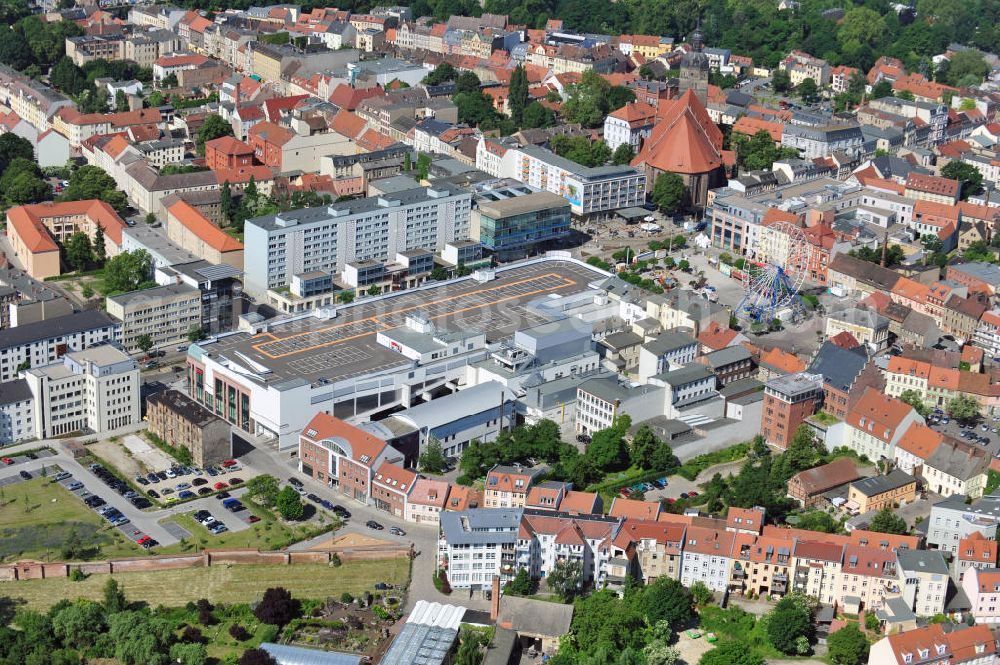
(775, 267)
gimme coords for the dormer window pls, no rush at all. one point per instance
(940, 649)
(907, 657)
(923, 652)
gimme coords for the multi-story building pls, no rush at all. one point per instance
(507, 487)
(181, 421)
(867, 577)
(391, 486)
(956, 467)
(877, 423)
(846, 373)
(707, 557)
(932, 188)
(17, 419)
(654, 549)
(165, 314)
(477, 545)
(866, 326)
(880, 492)
(426, 501)
(545, 539)
(982, 587)
(813, 142)
(923, 580)
(192, 231)
(343, 456)
(975, 551)
(952, 519)
(801, 66)
(630, 124)
(96, 389)
(788, 401)
(668, 350)
(44, 342)
(590, 191)
(987, 335)
(32, 101)
(923, 646)
(513, 223)
(37, 231)
(601, 400)
(375, 228)
(221, 289)
(817, 569)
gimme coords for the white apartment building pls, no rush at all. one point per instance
(813, 142)
(707, 557)
(589, 190)
(42, 343)
(96, 390)
(545, 540)
(166, 314)
(371, 229)
(17, 421)
(476, 545)
(987, 335)
(630, 124)
(923, 580)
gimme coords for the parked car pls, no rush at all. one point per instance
(220, 485)
(372, 524)
(186, 494)
(6, 460)
(222, 495)
(253, 519)
(74, 486)
(62, 475)
(314, 498)
(198, 482)
(204, 491)
(229, 462)
(235, 480)
(342, 512)
(396, 531)
(295, 482)
(211, 471)
(25, 475)
(153, 493)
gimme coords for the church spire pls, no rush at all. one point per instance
(697, 42)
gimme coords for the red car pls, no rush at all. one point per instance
(690, 494)
(671, 500)
(229, 462)
(220, 486)
(252, 519)
(6, 460)
(143, 540)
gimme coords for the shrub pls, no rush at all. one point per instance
(335, 560)
(441, 582)
(239, 633)
(464, 480)
(77, 575)
(346, 598)
(381, 612)
(193, 635)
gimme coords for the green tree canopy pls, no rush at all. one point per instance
(128, 271)
(214, 127)
(886, 521)
(669, 192)
(963, 407)
(92, 182)
(290, 504)
(966, 174)
(847, 646)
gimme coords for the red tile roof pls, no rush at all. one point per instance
(395, 478)
(635, 114)
(879, 415)
(229, 145)
(29, 221)
(920, 441)
(932, 184)
(646, 510)
(750, 125)
(208, 233)
(782, 361)
(348, 98)
(976, 547)
(684, 140)
(716, 337)
(907, 646)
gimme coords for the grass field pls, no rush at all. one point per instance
(267, 534)
(37, 517)
(220, 584)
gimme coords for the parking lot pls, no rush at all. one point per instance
(184, 482)
(953, 429)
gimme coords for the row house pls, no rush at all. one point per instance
(707, 557)
(982, 586)
(391, 487)
(817, 569)
(761, 565)
(930, 645)
(32, 101)
(976, 551)
(545, 540)
(507, 486)
(938, 385)
(647, 550)
(987, 334)
(877, 423)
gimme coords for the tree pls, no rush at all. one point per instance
(593, 98)
(992, 482)
(535, 115)
(607, 448)
(659, 652)
(644, 446)
(701, 594)
(226, 202)
(169, 81)
(257, 656)
(22, 187)
(139, 639)
(144, 342)
(623, 154)
(189, 654)
(263, 489)
(668, 192)
(963, 408)
(475, 108)
(69, 78)
(441, 74)
(967, 68)
(807, 90)
(789, 621)
(667, 600)
(91, 182)
(913, 398)
(195, 333)
(882, 89)
(886, 521)
(213, 128)
(79, 625)
(847, 646)
(156, 99)
(966, 174)
(205, 608)
(13, 146)
(731, 652)
(290, 504)
(121, 101)
(758, 152)
(100, 250)
(432, 459)
(522, 584)
(114, 597)
(517, 97)
(467, 82)
(781, 80)
(78, 251)
(566, 578)
(128, 271)
(277, 607)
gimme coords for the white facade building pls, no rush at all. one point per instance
(96, 390)
(477, 545)
(42, 343)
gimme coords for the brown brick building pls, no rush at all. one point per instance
(788, 401)
(846, 373)
(390, 488)
(181, 421)
(807, 487)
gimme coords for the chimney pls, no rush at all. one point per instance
(495, 600)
